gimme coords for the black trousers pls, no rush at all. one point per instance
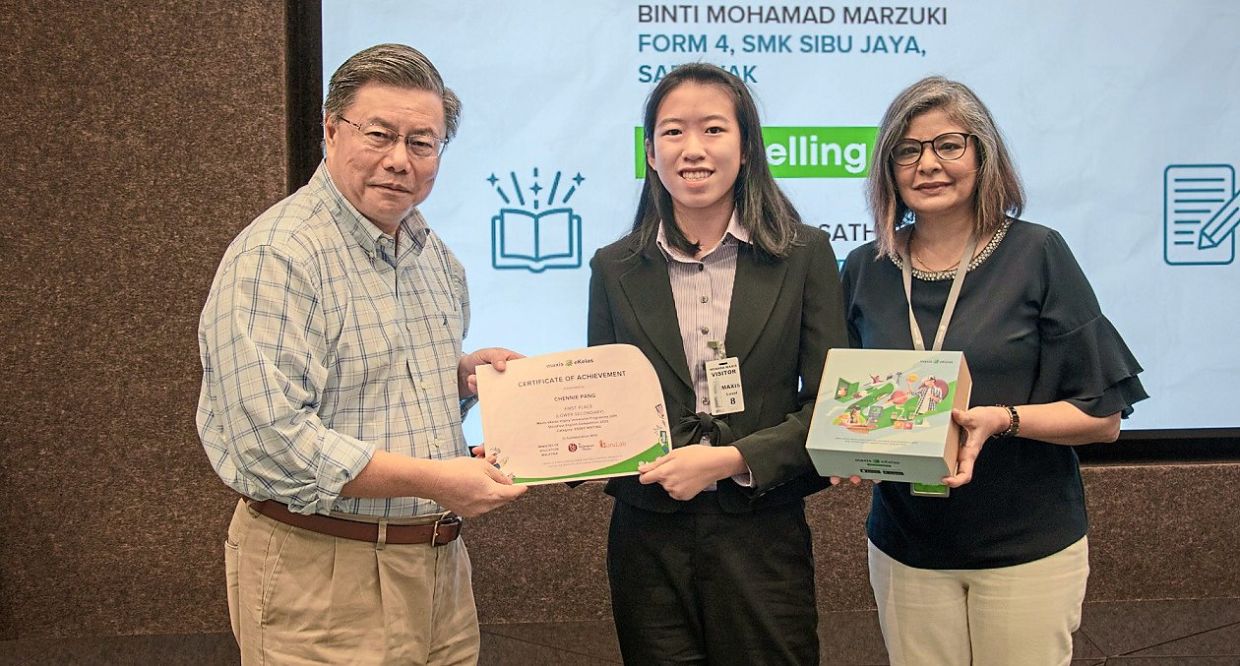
(713, 588)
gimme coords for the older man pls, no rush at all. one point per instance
(333, 389)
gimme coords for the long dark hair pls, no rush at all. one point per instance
(761, 207)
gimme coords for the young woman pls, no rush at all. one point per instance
(709, 555)
(995, 572)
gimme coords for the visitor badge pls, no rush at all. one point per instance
(723, 386)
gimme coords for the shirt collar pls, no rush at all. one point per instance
(412, 228)
(734, 230)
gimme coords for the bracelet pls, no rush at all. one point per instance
(1013, 428)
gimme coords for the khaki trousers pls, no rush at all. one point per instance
(1008, 616)
(300, 597)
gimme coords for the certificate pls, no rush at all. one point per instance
(590, 413)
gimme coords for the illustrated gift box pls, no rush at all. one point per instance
(886, 414)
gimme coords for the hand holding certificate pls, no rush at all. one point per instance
(590, 413)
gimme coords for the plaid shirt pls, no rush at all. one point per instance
(322, 341)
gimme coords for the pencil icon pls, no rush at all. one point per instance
(1223, 223)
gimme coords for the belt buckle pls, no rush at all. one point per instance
(446, 521)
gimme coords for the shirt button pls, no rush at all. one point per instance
(704, 330)
(704, 299)
(701, 267)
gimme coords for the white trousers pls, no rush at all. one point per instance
(1022, 615)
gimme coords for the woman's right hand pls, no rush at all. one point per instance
(979, 424)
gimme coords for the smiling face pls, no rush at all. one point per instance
(934, 188)
(696, 150)
(384, 185)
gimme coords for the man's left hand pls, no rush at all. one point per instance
(497, 357)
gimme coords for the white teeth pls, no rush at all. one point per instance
(694, 175)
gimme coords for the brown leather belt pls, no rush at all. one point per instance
(438, 533)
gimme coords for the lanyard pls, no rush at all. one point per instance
(952, 296)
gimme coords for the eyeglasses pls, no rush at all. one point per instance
(948, 146)
(379, 137)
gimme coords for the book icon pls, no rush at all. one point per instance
(536, 241)
(525, 237)
(1201, 210)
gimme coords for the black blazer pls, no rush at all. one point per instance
(785, 315)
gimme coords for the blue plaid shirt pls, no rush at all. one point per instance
(324, 340)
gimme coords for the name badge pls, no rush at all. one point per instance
(930, 490)
(723, 386)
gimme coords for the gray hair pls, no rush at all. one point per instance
(394, 65)
(999, 192)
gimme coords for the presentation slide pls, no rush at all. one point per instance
(1117, 112)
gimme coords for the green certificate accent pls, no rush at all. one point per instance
(622, 467)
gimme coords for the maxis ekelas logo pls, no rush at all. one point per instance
(534, 230)
(801, 152)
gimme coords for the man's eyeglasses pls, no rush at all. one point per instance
(948, 146)
(379, 137)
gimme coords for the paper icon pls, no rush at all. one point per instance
(1200, 213)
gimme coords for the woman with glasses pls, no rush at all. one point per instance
(993, 569)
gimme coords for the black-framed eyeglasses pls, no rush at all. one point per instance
(379, 137)
(948, 146)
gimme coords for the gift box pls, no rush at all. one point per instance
(886, 414)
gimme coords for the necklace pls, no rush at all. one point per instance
(949, 273)
(926, 267)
